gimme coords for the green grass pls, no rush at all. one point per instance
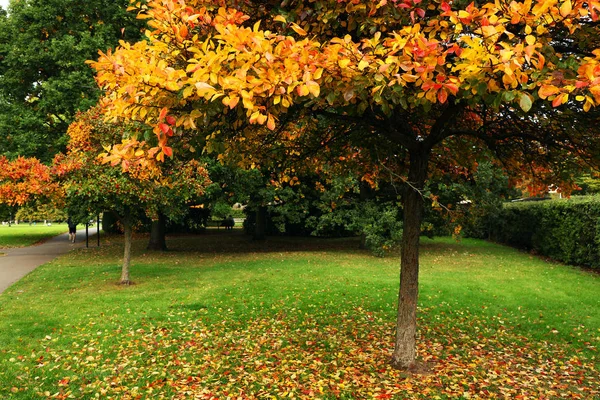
(23, 234)
(220, 315)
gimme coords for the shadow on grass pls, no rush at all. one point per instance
(237, 242)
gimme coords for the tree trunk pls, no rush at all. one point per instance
(364, 190)
(406, 325)
(158, 231)
(127, 253)
(261, 223)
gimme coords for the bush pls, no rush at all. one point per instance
(565, 230)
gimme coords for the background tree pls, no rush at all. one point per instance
(26, 181)
(44, 80)
(430, 81)
(92, 185)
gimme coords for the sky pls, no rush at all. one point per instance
(4, 4)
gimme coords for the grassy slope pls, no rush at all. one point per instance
(25, 235)
(224, 317)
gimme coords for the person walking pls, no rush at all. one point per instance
(72, 229)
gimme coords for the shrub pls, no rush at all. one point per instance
(565, 230)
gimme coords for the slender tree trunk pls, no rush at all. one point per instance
(127, 228)
(406, 325)
(364, 194)
(261, 223)
(158, 231)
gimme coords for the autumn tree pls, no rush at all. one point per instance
(431, 82)
(95, 182)
(44, 80)
(24, 181)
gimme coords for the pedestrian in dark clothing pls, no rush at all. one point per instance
(72, 229)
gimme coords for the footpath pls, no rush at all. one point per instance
(18, 262)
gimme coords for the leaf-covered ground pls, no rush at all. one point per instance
(256, 332)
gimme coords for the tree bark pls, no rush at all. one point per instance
(261, 223)
(158, 231)
(127, 228)
(404, 353)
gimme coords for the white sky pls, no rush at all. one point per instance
(4, 4)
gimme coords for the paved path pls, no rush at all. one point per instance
(18, 262)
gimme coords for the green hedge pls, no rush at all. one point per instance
(566, 230)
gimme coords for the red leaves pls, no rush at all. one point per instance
(168, 151)
(23, 179)
(171, 120)
(164, 128)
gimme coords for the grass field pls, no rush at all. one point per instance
(25, 235)
(220, 316)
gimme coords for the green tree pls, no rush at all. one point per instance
(44, 80)
(91, 185)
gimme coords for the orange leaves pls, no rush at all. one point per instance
(24, 179)
(547, 90)
(204, 62)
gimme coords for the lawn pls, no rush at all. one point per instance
(22, 235)
(220, 316)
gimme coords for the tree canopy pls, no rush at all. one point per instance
(43, 77)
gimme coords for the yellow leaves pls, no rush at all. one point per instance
(530, 40)
(313, 88)
(566, 8)
(231, 101)
(343, 63)
(172, 86)
(247, 99)
(298, 29)
(204, 89)
(280, 18)
(257, 118)
(302, 90)
(489, 31)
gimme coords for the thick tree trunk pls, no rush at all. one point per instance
(406, 325)
(127, 228)
(158, 232)
(261, 223)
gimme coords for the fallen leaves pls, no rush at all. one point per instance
(283, 352)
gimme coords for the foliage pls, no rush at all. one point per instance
(41, 212)
(43, 76)
(471, 203)
(257, 322)
(24, 179)
(101, 187)
(385, 58)
(589, 184)
(565, 230)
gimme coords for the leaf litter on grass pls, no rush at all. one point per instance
(213, 354)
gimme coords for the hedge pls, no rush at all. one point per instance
(566, 230)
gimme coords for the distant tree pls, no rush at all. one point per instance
(23, 180)
(92, 184)
(44, 80)
(26, 181)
